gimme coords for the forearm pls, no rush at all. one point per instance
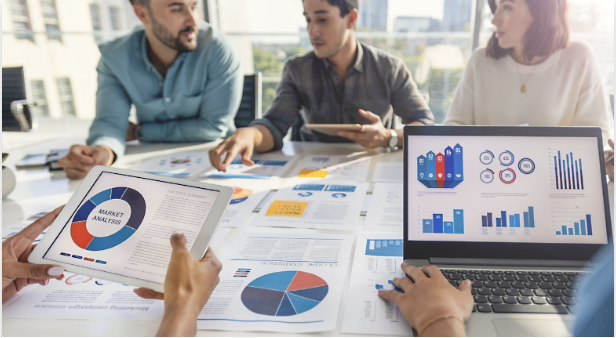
(177, 323)
(451, 327)
(264, 140)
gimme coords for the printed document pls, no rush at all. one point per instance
(184, 164)
(385, 212)
(266, 166)
(388, 172)
(328, 205)
(375, 264)
(312, 168)
(247, 194)
(280, 283)
(83, 297)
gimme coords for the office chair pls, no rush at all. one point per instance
(15, 113)
(250, 106)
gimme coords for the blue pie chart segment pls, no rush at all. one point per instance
(284, 293)
(85, 240)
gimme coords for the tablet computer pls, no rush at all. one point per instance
(332, 129)
(117, 225)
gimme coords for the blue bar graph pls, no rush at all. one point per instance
(581, 228)
(515, 220)
(568, 172)
(437, 225)
(384, 247)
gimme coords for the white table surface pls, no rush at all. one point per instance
(40, 190)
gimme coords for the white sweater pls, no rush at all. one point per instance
(564, 90)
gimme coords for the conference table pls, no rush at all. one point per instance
(40, 190)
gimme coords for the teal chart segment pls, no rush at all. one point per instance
(442, 170)
(284, 293)
(85, 240)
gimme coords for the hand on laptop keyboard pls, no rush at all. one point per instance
(429, 298)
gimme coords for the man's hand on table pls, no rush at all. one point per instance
(17, 273)
(82, 158)
(245, 141)
(429, 303)
(188, 286)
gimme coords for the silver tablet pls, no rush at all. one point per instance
(118, 223)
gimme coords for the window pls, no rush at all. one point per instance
(114, 14)
(40, 98)
(97, 25)
(50, 19)
(65, 92)
(21, 19)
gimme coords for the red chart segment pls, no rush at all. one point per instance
(304, 280)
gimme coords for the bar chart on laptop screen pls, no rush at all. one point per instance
(571, 222)
(567, 170)
(441, 221)
(503, 219)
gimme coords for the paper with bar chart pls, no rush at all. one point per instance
(182, 164)
(469, 188)
(281, 283)
(376, 263)
(123, 225)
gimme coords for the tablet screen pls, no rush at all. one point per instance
(123, 225)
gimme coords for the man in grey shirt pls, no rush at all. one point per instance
(341, 81)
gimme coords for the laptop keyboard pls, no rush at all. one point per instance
(520, 291)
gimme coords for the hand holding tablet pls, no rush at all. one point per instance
(118, 223)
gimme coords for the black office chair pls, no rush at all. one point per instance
(15, 113)
(250, 106)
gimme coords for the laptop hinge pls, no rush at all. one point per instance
(508, 262)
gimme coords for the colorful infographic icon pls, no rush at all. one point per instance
(507, 176)
(441, 170)
(284, 293)
(486, 157)
(240, 195)
(487, 176)
(526, 166)
(180, 161)
(506, 158)
(85, 240)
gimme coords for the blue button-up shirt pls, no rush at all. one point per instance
(195, 102)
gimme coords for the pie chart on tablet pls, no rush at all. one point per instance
(284, 293)
(84, 239)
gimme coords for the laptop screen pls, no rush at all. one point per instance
(504, 189)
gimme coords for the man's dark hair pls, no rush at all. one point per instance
(345, 6)
(146, 3)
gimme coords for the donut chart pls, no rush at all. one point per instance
(85, 240)
(240, 195)
(284, 293)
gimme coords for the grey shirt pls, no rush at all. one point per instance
(378, 82)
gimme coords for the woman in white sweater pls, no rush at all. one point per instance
(531, 73)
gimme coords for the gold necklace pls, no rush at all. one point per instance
(523, 88)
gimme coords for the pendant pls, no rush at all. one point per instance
(523, 89)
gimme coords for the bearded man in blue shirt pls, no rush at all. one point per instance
(182, 76)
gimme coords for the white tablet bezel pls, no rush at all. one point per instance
(197, 251)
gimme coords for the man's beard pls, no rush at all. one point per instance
(166, 37)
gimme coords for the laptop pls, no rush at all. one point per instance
(517, 210)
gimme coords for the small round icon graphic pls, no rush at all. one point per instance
(506, 158)
(526, 166)
(338, 195)
(486, 157)
(507, 176)
(305, 194)
(487, 176)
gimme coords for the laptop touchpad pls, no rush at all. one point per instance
(532, 327)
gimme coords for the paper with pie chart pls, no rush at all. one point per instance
(247, 194)
(327, 204)
(123, 225)
(385, 212)
(283, 283)
(181, 164)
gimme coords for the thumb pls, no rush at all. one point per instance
(373, 118)
(178, 241)
(465, 286)
(34, 271)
